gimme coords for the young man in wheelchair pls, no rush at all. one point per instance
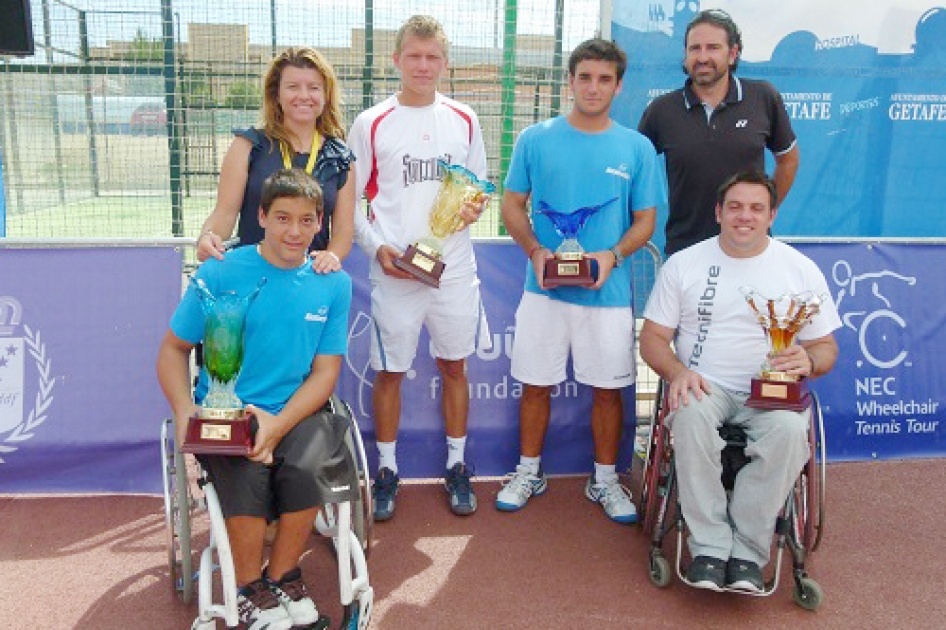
(295, 338)
(719, 346)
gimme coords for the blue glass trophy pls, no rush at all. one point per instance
(569, 267)
(222, 425)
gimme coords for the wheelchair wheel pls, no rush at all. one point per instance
(654, 475)
(807, 593)
(177, 515)
(809, 492)
(660, 571)
(362, 508)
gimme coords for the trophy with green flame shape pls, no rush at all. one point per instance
(424, 259)
(222, 424)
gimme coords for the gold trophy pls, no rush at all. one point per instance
(781, 319)
(424, 259)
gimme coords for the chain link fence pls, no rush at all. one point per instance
(117, 125)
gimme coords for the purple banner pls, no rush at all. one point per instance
(80, 406)
(885, 397)
(493, 444)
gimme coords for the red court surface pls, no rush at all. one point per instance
(98, 563)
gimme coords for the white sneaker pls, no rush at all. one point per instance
(614, 498)
(518, 488)
(259, 608)
(294, 597)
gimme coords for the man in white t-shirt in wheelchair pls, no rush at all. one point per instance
(718, 347)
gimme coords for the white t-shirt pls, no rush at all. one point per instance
(397, 148)
(718, 334)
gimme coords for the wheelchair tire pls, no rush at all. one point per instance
(362, 508)
(177, 505)
(650, 491)
(807, 593)
(660, 572)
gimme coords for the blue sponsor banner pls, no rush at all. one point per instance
(864, 85)
(885, 397)
(493, 443)
(80, 406)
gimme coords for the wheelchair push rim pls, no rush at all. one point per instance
(177, 516)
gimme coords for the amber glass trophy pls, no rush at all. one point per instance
(569, 267)
(781, 319)
(222, 424)
(424, 259)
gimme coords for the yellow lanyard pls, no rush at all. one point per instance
(313, 154)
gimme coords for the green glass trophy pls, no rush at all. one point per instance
(222, 424)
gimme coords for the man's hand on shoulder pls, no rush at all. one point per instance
(682, 385)
(386, 256)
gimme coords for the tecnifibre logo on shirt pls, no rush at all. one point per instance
(321, 316)
(705, 314)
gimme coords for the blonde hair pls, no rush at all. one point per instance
(329, 123)
(423, 26)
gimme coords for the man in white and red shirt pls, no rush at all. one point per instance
(397, 144)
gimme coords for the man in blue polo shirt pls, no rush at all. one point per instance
(576, 161)
(295, 338)
(714, 127)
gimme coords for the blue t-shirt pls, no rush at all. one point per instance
(569, 169)
(297, 315)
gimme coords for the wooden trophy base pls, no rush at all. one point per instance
(219, 436)
(561, 272)
(772, 394)
(423, 263)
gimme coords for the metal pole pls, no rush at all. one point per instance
(508, 97)
(89, 112)
(174, 132)
(54, 103)
(367, 89)
(556, 104)
(272, 23)
(14, 180)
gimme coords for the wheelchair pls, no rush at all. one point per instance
(348, 525)
(799, 526)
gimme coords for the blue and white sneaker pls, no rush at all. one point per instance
(614, 498)
(383, 491)
(458, 486)
(519, 487)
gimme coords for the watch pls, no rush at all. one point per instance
(618, 256)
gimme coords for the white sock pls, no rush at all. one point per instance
(532, 463)
(386, 456)
(604, 474)
(456, 448)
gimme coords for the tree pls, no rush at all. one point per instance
(144, 48)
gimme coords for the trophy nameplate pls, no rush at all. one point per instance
(219, 435)
(568, 270)
(781, 319)
(422, 262)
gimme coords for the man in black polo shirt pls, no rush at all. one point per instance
(713, 127)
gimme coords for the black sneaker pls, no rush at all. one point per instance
(383, 492)
(707, 572)
(259, 608)
(458, 486)
(744, 575)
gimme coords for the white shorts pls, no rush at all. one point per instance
(453, 314)
(600, 340)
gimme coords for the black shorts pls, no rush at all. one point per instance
(312, 466)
